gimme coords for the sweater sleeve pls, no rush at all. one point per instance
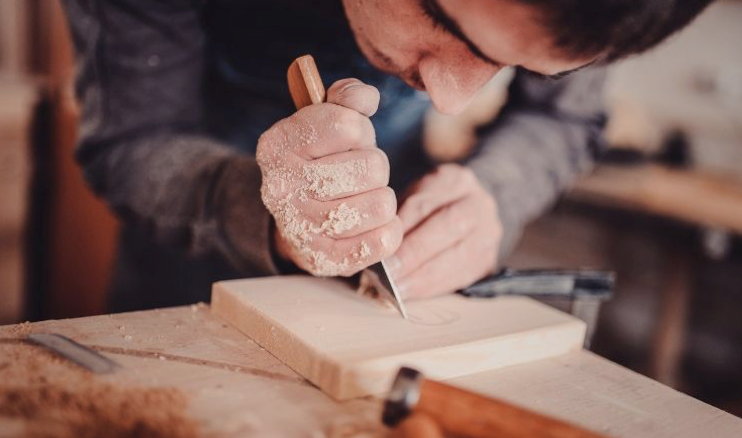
(142, 148)
(546, 136)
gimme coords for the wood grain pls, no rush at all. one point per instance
(305, 83)
(352, 346)
(238, 389)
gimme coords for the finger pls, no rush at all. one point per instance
(451, 270)
(345, 257)
(354, 94)
(281, 179)
(345, 174)
(447, 184)
(319, 130)
(354, 215)
(371, 247)
(445, 227)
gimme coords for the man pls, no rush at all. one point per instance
(189, 133)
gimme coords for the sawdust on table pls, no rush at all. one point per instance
(42, 395)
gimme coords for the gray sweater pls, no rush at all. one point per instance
(174, 94)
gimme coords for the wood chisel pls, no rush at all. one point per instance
(77, 353)
(306, 88)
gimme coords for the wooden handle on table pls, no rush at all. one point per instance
(465, 414)
(305, 83)
(418, 426)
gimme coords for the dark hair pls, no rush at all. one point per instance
(613, 28)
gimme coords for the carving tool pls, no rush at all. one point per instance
(585, 289)
(445, 409)
(77, 353)
(545, 283)
(306, 88)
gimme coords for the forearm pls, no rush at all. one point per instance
(187, 192)
(542, 143)
(527, 166)
(142, 142)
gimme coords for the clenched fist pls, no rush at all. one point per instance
(452, 234)
(325, 183)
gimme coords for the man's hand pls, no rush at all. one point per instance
(325, 183)
(451, 234)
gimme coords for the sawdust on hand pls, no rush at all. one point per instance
(283, 189)
(42, 395)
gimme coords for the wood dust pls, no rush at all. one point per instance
(42, 395)
(322, 181)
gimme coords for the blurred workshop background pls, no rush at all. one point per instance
(663, 209)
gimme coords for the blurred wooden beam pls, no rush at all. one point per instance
(692, 196)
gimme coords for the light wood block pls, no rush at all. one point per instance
(352, 346)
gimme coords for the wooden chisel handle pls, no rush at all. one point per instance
(305, 83)
(463, 413)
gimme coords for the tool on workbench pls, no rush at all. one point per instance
(306, 88)
(545, 283)
(444, 409)
(75, 352)
(585, 289)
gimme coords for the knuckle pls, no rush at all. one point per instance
(389, 238)
(456, 221)
(467, 175)
(353, 127)
(385, 206)
(346, 123)
(378, 162)
(413, 249)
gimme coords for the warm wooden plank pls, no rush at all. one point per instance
(599, 395)
(236, 388)
(693, 196)
(351, 346)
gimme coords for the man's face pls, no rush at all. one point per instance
(451, 48)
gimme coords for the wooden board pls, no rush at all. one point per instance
(352, 346)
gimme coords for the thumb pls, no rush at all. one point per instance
(354, 94)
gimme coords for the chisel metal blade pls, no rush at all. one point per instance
(377, 275)
(77, 353)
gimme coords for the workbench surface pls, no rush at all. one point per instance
(235, 388)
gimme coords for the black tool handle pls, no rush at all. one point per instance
(559, 283)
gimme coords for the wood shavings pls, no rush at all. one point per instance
(48, 397)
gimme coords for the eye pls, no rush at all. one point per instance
(432, 11)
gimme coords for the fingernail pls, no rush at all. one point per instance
(393, 265)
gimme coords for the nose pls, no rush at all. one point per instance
(452, 85)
